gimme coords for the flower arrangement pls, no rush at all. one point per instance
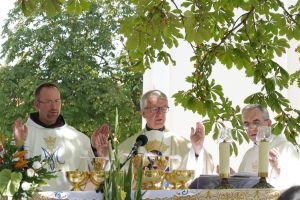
(20, 177)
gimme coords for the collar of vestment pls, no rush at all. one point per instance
(59, 122)
(150, 129)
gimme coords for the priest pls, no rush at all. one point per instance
(283, 157)
(183, 153)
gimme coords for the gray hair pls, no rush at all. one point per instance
(156, 93)
(256, 106)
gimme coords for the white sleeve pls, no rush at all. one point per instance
(194, 163)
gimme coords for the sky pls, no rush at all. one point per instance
(4, 9)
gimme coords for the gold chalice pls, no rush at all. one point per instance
(77, 179)
(97, 177)
(183, 177)
(171, 179)
(161, 162)
(152, 179)
(138, 160)
(155, 162)
(99, 163)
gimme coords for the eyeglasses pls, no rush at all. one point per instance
(254, 125)
(50, 102)
(157, 109)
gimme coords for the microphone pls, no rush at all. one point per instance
(141, 140)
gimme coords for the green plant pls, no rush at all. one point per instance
(20, 177)
(118, 185)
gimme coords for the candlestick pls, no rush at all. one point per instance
(263, 158)
(263, 137)
(224, 159)
(224, 146)
(224, 165)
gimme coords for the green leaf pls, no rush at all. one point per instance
(28, 7)
(128, 181)
(278, 128)
(270, 85)
(208, 125)
(235, 148)
(85, 5)
(131, 43)
(216, 133)
(51, 7)
(9, 182)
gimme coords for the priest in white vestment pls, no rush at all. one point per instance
(47, 134)
(183, 153)
(284, 159)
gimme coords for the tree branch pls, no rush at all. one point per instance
(281, 5)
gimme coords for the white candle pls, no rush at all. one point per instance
(263, 159)
(224, 159)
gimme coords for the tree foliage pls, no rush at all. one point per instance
(77, 53)
(242, 34)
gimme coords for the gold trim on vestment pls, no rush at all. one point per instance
(156, 145)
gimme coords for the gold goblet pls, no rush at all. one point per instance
(152, 179)
(99, 163)
(138, 160)
(155, 162)
(77, 179)
(161, 162)
(183, 177)
(171, 179)
(97, 177)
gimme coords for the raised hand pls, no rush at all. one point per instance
(99, 140)
(197, 137)
(20, 132)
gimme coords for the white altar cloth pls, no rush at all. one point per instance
(202, 194)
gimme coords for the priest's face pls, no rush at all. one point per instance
(155, 112)
(48, 104)
(253, 119)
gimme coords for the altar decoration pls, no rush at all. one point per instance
(20, 177)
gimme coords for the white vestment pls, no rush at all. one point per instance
(182, 155)
(289, 162)
(66, 147)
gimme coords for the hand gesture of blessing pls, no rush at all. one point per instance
(20, 131)
(197, 137)
(99, 140)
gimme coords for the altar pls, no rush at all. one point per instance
(202, 188)
(195, 194)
